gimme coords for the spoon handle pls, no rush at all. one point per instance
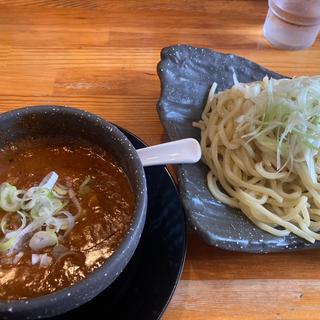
(179, 151)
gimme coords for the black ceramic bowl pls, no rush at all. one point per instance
(50, 121)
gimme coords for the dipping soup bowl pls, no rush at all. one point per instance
(51, 121)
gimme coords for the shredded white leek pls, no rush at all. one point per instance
(285, 119)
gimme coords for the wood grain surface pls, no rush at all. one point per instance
(101, 56)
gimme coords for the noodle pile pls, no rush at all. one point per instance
(261, 142)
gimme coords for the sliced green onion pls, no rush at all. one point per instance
(4, 222)
(60, 191)
(14, 233)
(17, 257)
(42, 214)
(9, 200)
(84, 188)
(43, 239)
(6, 245)
(45, 260)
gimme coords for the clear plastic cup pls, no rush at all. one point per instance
(292, 24)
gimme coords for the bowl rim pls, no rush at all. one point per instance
(138, 215)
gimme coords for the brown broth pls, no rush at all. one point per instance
(107, 213)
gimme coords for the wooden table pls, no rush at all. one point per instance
(101, 56)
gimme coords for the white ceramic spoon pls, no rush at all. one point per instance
(179, 151)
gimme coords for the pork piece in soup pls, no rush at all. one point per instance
(65, 206)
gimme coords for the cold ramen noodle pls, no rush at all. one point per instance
(64, 209)
(261, 142)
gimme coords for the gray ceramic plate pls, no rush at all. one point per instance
(186, 74)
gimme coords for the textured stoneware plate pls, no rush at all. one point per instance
(186, 74)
